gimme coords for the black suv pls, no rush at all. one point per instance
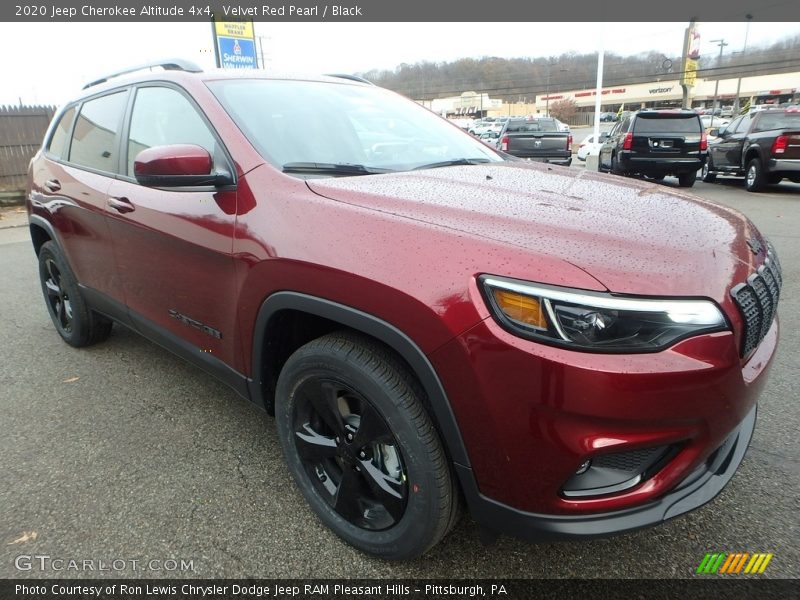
(656, 143)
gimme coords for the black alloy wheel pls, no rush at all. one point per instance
(73, 319)
(58, 302)
(350, 454)
(362, 447)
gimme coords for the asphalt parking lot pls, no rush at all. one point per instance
(125, 452)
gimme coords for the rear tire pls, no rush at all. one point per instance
(615, 165)
(362, 448)
(687, 179)
(754, 178)
(75, 322)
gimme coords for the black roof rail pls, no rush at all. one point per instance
(350, 77)
(174, 64)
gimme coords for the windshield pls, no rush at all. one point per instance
(331, 125)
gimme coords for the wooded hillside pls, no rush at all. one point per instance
(518, 79)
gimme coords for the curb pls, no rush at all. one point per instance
(15, 198)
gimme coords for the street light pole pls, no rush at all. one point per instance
(749, 18)
(721, 43)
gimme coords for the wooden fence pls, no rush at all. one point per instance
(21, 131)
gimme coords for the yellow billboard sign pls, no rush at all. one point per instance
(690, 72)
(235, 29)
(691, 55)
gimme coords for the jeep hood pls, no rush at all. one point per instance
(632, 236)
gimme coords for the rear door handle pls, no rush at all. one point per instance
(122, 205)
(53, 185)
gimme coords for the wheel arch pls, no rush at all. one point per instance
(42, 231)
(277, 320)
(752, 152)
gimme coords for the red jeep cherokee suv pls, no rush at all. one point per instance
(430, 321)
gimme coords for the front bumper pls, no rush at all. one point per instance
(698, 489)
(531, 415)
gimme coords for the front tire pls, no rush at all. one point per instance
(75, 322)
(754, 178)
(706, 173)
(362, 448)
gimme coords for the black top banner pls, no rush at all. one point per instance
(399, 11)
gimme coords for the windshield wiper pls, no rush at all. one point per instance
(331, 168)
(455, 162)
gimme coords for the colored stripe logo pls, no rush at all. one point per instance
(734, 563)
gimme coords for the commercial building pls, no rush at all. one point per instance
(760, 89)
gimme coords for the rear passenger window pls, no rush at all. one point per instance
(58, 142)
(163, 116)
(94, 139)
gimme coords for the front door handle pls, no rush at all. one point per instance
(53, 185)
(122, 205)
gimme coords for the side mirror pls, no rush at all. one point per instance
(177, 165)
(715, 132)
(604, 137)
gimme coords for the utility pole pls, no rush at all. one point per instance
(547, 89)
(749, 18)
(721, 43)
(547, 92)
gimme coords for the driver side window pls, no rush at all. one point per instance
(163, 116)
(732, 127)
(744, 124)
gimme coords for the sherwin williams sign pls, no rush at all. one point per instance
(235, 45)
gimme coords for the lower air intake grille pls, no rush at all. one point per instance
(757, 300)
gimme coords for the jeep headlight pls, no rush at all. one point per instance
(598, 322)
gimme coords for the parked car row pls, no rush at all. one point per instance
(763, 146)
(486, 125)
(712, 122)
(590, 146)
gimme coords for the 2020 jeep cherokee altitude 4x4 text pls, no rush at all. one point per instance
(429, 322)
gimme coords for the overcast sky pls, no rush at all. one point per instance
(48, 62)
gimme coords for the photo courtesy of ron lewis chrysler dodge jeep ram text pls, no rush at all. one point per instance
(433, 323)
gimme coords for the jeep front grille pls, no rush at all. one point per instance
(757, 300)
